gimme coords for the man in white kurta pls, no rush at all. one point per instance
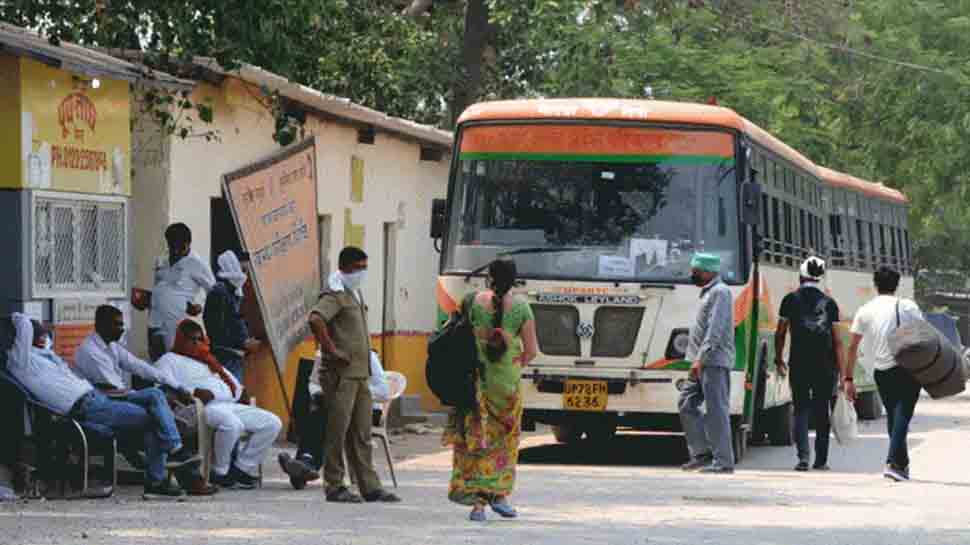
(229, 418)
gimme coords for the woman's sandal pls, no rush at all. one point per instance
(503, 508)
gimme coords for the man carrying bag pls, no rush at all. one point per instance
(876, 322)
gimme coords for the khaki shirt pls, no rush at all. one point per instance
(346, 318)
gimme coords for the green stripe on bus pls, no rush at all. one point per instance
(578, 158)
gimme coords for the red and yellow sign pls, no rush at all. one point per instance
(75, 132)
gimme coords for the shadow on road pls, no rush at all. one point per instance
(623, 450)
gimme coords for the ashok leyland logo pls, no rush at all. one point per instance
(75, 115)
(585, 330)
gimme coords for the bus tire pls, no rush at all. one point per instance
(868, 405)
(566, 433)
(780, 425)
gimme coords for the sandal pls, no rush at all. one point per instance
(504, 508)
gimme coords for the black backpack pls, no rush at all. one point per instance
(453, 366)
(816, 327)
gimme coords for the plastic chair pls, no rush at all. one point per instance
(397, 383)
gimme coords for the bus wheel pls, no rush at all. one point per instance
(780, 425)
(868, 405)
(566, 433)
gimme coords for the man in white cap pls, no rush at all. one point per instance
(815, 359)
(711, 353)
(223, 319)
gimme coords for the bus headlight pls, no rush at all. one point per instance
(677, 346)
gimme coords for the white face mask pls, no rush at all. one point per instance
(48, 343)
(353, 281)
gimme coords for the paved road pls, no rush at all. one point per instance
(628, 492)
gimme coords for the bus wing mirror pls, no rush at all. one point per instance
(751, 204)
(438, 213)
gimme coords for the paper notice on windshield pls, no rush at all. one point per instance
(652, 252)
(616, 266)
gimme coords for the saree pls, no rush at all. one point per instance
(485, 439)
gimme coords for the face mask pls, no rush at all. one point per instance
(697, 279)
(353, 281)
(48, 343)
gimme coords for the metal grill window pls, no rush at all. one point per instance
(80, 246)
(556, 329)
(616, 331)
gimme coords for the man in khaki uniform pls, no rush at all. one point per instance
(339, 323)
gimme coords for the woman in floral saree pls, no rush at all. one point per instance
(486, 439)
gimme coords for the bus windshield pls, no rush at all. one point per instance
(623, 217)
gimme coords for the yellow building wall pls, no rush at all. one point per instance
(10, 145)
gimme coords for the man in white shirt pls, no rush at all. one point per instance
(874, 323)
(50, 380)
(178, 280)
(191, 365)
(104, 362)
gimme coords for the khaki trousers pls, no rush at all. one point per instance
(349, 426)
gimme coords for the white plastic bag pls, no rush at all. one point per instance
(845, 422)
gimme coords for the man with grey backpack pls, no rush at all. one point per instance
(875, 323)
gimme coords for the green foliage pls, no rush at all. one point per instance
(876, 88)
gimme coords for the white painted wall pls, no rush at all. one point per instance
(150, 205)
(393, 176)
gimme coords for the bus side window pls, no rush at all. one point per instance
(804, 234)
(776, 230)
(765, 227)
(861, 244)
(835, 228)
(789, 235)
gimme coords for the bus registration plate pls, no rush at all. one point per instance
(585, 395)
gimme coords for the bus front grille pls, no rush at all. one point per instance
(556, 329)
(616, 331)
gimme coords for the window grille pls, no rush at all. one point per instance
(80, 246)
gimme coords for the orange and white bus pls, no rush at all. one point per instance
(602, 203)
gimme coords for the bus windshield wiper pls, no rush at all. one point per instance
(521, 251)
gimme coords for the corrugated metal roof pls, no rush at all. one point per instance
(339, 107)
(77, 59)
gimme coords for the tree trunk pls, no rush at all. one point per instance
(477, 31)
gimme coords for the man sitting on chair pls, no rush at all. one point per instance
(49, 379)
(305, 467)
(103, 361)
(227, 410)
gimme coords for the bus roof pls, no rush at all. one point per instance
(879, 191)
(659, 111)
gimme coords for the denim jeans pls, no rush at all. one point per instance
(899, 392)
(812, 394)
(123, 418)
(155, 403)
